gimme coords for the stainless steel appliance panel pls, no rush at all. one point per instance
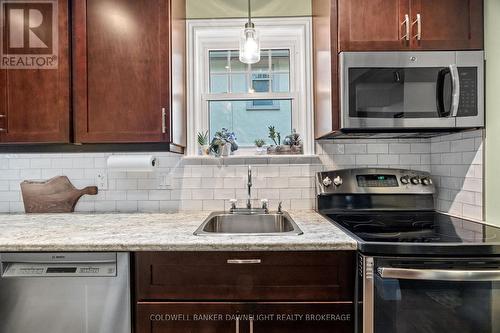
(411, 90)
(403, 295)
(65, 293)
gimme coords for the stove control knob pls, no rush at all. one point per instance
(327, 181)
(338, 181)
(405, 180)
(426, 181)
(415, 180)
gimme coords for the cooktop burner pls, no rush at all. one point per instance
(414, 227)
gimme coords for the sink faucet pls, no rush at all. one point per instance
(249, 187)
(248, 209)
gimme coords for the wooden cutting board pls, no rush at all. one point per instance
(56, 195)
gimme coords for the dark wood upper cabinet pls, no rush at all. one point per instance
(121, 70)
(34, 103)
(386, 25)
(373, 25)
(447, 24)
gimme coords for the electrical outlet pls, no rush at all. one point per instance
(102, 181)
(164, 181)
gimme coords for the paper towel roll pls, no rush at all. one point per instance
(132, 163)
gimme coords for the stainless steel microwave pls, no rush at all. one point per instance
(411, 90)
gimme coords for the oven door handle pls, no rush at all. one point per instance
(438, 274)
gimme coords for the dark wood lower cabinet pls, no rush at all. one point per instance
(245, 317)
(244, 292)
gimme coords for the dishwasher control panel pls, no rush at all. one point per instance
(58, 265)
(48, 270)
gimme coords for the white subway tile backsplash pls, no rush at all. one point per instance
(149, 206)
(356, 149)
(455, 161)
(366, 159)
(377, 148)
(127, 206)
(457, 169)
(399, 148)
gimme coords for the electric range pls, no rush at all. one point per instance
(391, 211)
(419, 270)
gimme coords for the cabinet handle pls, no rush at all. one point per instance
(244, 261)
(237, 324)
(418, 21)
(251, 325)
(406, 23)
(163, 120)
(3, 116)
(3, 129)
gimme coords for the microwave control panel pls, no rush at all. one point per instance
(468, 91)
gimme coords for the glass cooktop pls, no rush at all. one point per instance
(415, 227)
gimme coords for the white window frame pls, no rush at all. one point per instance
(224, 34)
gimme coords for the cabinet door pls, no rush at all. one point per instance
(121, 72)
(245, 318)
(189, 318)
(301, 317)
(371, 25)
(447, 24)
(34, 103)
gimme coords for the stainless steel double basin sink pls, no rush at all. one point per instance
(252, 224)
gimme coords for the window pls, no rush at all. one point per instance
(247, 99)
(249, 119)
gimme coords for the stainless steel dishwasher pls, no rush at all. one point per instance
(65, 293)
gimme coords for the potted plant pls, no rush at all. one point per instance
(276, 138)
(203, 144)
(224, 143)
(292, 144)
(259, 143)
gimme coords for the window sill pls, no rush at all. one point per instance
(245, 159)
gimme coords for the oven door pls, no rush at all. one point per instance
(431, 296)
(411, 90)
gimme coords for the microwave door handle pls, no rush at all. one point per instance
(439, 274)
(442, 111)
(455, 79)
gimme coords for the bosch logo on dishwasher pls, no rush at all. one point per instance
(29, 36)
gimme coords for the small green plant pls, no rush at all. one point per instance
(275, 136)
(293, 139)
(259, 143)
(202, 138)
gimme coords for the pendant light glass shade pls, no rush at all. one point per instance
(249, 41)
(249, 45)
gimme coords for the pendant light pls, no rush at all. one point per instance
(249, 42)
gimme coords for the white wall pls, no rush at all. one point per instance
(197, 9)
(492, 147)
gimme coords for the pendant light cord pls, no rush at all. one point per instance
(249, 13)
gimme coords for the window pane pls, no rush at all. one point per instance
(280, 61)
(218, 83)
(239, 83)
(249, 122)
(263, 64)
(219, 72)
(236, 64)
(281, 82)
(218, 62)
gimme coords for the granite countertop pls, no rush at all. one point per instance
(156, 232)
